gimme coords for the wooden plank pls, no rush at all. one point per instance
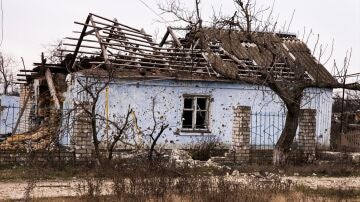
(107, 27)
(136, 30)
(26, 70)
(173, 35)
(83, 52)
(164, 38)
(93, 30)
(47, 64)
(149, 57)
(82, 35)
(126, 31)
(51, 87)
(22, 74)
(103, 47)
(161, 53)
(156, 66)
(133, 43)
(113, 39)
(133, 38)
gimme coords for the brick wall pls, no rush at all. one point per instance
(307, 131)
(241, 133)
(26, 119)
(82, 134)
(15, 157)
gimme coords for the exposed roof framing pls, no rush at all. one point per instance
(107, 43)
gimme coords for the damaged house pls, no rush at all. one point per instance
(175, 86)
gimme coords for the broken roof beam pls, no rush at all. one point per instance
(51, 87)
(106, 19)
(164, 38)
(156, 67)
(150, 40)
(123, 41)
(233, 57)
(161, 58)
(22, 75)
(108, 28)
(48, 64)
(27, 70)
(125, 38)
(173, 35)
(82, 35)
(103, 47)
(110, 36)
(112, 39)
(133, 38)
(93, 30)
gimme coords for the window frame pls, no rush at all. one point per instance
(194, 111)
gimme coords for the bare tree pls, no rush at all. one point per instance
(155, 133)
(91, 87)
(120, 127)
(6, 76)
(54, 53)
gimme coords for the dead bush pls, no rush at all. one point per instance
(206, 147)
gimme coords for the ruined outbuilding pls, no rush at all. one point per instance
(176, 83)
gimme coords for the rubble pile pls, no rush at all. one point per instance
(261, 180)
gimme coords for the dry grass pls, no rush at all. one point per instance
(329, 169)
(138, 180)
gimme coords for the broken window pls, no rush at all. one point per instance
(195, 113)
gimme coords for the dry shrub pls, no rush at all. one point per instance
(90, 188)
(173, 184)
(206, 147)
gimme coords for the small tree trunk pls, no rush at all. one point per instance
(283, 145)
(6, 86)
(94, 134)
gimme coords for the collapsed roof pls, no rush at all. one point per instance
(104, 42)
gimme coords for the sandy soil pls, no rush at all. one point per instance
(58, 188)
(327, 182)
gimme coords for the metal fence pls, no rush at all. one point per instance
(31, 119)
(266, 128)
(8, 118)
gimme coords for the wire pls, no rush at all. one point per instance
(2, 23)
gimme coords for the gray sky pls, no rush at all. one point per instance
(30, 25)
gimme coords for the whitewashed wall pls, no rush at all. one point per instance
(321, 100)
(168, 95)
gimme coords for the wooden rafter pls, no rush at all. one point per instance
(103, 47)
(82, 35)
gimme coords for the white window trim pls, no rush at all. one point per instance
(194, 110)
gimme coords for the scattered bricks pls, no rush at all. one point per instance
(241, 133)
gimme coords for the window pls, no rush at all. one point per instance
(195, 115)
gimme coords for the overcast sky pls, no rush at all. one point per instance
(30, 25)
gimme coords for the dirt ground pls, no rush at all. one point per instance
(10, 190)
(327, 182)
